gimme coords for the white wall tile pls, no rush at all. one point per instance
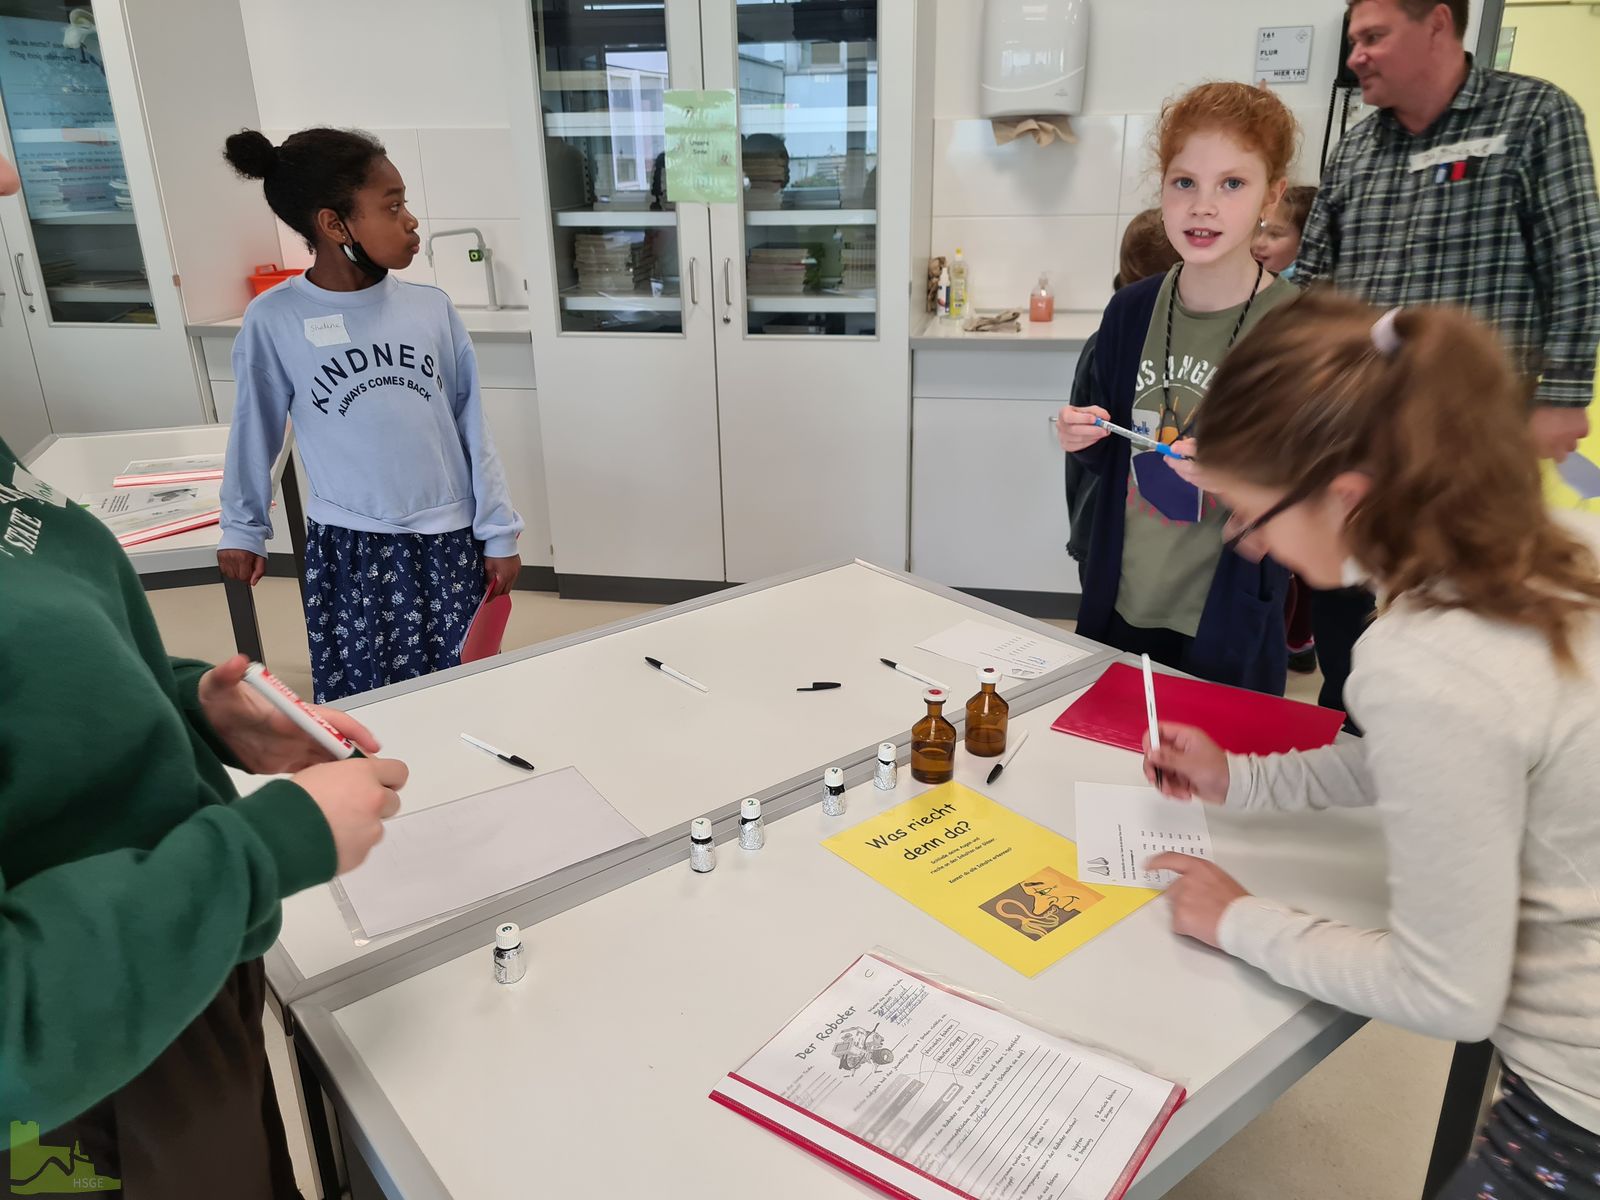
(1141, 180)
(469, 171)
(974, 177)
(464, 280)
(1008, 253)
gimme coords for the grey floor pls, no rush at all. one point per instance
(1360, 1125)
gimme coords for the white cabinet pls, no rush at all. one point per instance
(724, 388)
(988, 502)
(513, 416)
(129, 224)
(24, 418)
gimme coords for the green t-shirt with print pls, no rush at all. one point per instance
(1168, 564)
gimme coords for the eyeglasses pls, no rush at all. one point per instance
(1235, 535)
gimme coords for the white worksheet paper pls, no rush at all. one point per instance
(1120, 828)
(438, 860)
(926, 1093)
(1018, 655)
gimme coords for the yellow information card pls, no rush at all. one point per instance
(994, 877)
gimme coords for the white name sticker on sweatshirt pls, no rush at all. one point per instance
(326, 331)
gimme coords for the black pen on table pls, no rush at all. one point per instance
(516, 760)
(1006, 762)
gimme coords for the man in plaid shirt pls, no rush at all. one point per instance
(1470, 187)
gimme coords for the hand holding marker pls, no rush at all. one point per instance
(282, 698)
(1140, 439)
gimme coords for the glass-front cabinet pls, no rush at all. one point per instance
(808, 119)
(90, 267)
(602, 71)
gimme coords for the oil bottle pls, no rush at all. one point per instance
(987, 717)
(933, 742)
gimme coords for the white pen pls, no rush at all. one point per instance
(282, 698)
(1006, 762)
(678, 675)
(516, 760)
(923, 679)
(1150, 709)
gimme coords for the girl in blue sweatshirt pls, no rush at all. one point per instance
(408, 519)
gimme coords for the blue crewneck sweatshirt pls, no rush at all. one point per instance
(382, 388)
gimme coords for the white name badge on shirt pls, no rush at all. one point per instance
(1458, 151)
(25, 483)
(327, 331)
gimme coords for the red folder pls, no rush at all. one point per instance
(488, 628)
(1241, 722)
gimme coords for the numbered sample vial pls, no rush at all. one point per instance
(752, 831)
(888, 773)
(987, 717)
(702, 850)
(933, 742)
(509, 963)
(833, 791)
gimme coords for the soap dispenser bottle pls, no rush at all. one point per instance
(1042, 304)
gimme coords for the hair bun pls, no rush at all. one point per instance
(251, 154)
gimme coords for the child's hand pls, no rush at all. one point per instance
(1192, 766)
(1199, 897)
(502, 573)
(241, 565)
(1076, 429)
(1187, 468)
(265, 741)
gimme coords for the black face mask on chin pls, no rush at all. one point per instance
(354, 252)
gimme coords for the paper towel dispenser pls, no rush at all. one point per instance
(1035, 57)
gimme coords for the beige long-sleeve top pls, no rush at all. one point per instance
(1483, 760)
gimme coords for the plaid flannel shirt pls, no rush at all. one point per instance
(1493, 208)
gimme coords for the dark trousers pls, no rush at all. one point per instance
(1338, 619)
(1528, 1151)
(1162, 645)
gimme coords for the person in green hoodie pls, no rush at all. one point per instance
(138, 889)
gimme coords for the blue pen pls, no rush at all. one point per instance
(1140, 439)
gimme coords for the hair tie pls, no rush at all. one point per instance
(1384, 334)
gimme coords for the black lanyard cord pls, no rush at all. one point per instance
(1167, 407)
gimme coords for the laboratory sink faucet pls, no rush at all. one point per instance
(481, 254)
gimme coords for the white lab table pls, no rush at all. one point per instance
(638, 1000)
(647, 983)
(85, 463)
(659, 751)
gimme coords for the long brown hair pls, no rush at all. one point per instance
(1455, 517)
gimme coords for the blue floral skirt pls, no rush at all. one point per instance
(382, 608)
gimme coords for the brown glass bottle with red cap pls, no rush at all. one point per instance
(933, 742)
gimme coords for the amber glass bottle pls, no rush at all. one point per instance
(933, 742)
(987, 717)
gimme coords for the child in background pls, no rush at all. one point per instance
(1276, 247)
(1339, 439)
(1145, 252)
(408, 522)
(1277, 242)
(1160, 580)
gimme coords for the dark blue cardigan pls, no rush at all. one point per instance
(1240, 640)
